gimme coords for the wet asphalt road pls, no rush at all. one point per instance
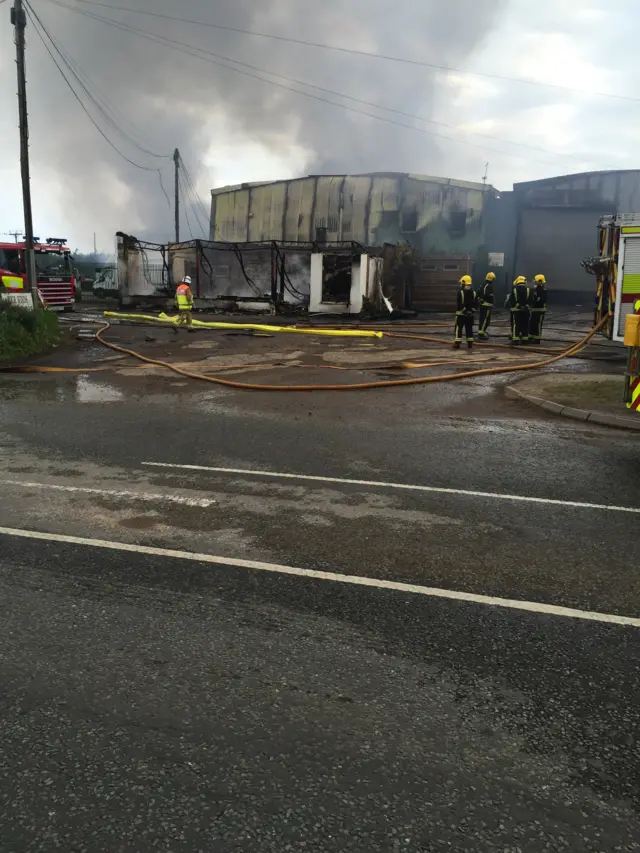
(150, 703)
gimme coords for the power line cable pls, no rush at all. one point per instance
(355, 52)
(33, 18)
(191, 184)
(100, 101)
(194, 192)
(386, 109)
(189, 49)
(164, 192)
(199, 221)
(67, 61)
(186, 48)
(184, 205)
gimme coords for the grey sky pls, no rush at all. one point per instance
(231, 127)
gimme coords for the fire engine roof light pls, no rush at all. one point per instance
(59, 241)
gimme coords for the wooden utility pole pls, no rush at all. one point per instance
(19, 21)
(176, 160)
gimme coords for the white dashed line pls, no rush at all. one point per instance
(405, 486)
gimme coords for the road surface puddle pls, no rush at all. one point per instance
(79, 388)
(89, 391)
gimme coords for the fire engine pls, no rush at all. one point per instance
(54, 273)
(617, 271)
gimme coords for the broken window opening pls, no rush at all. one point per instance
(336, 278)
(409, 221)
(458, 222)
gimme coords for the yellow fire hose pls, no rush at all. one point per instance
(388, 383)
(200, 324)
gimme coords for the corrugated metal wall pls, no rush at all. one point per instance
(433, 215)
(558, 226)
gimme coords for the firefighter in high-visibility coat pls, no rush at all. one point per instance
(184, 303)
(485, 301)
(466, 302)
(519, 302)
(538, 309)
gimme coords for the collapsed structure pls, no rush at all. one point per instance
(345, 243)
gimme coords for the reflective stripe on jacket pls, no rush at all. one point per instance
(486, 295)
(539, 301)
(466, 301)
(519, 298)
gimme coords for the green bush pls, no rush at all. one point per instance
(24, 333)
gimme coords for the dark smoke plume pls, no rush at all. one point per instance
(172, 98)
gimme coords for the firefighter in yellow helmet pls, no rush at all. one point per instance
(465, 307)
(485, 301)
(184, 302)
(519, 302)
(538, 309)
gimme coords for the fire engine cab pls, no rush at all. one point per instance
(54, 273)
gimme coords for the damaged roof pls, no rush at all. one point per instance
(431, 179)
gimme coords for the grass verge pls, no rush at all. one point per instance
(24, 333)
(600, 392)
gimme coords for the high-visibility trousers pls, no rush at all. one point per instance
(519, 324)
(484, 320)
(535, 324)
(464, 324)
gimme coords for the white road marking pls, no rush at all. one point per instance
(406, 486)
(114, 493)
(352, 580)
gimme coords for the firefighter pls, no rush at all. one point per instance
(485, 300)
(538, 309)
(465, 308)
(184, 301)
(519, 301)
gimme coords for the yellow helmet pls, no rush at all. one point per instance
(540, 279)
(466, 279)
(491, 276)
(520, 280)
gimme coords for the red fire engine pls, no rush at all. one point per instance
(54, 273)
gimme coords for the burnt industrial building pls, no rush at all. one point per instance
(449, 223)
(547, 226)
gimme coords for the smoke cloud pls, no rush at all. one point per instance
(166, 99)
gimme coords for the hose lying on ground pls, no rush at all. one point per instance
(256, 327)
(361, 386)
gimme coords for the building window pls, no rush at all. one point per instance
(10, 260)
(409, 221)
(321, 235)
(450, 267)
(425, 267)
(458, 222)
(332, 224)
